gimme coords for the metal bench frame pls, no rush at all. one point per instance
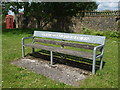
(73, 37)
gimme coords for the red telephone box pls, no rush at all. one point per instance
(9, 22)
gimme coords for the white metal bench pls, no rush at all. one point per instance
(100, 40)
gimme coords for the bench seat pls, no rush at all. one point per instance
(62, 50)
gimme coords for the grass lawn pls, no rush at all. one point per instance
(16, 77)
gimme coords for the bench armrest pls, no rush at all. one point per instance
(98, 48)
(26, 38)
(23, 39)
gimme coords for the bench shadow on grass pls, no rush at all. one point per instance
(72, 61)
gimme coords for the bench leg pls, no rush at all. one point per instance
(33, 50)
(93, 66)
(23, 51)
(63, 56)
(51, 57)
(101, 62)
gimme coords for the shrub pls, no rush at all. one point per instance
(101, 33)
(114, 34)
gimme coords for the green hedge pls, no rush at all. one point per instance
(101, 33)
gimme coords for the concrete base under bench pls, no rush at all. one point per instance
(59, 72)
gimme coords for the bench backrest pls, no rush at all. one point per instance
(72, 37)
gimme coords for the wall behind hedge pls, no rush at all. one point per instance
(96, 23)
(77, 24)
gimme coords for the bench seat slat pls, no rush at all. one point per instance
(61, 50)
(91, 47)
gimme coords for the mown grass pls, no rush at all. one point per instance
(16, 77)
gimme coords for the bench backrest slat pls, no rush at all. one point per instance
(73, 37)
(65, 43)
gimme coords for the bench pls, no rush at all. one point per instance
(65, 37)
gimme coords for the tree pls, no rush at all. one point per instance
(40, 12)
(13, 6)
(63, 11)
(45, 12)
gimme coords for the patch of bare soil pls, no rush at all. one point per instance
(65, 71)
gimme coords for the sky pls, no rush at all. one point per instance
(108, 4)
(102, 5)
